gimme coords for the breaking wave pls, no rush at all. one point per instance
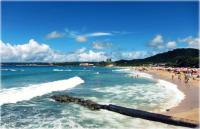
(169, 91)
(60, 70)
(14, 95)
(12, 70)
(134, 73)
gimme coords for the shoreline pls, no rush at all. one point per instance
(188, 108)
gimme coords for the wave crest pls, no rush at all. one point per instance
(14, 95)
(60, 70)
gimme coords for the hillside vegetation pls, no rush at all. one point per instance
(184, 57)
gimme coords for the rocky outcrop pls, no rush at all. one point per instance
(68, 99)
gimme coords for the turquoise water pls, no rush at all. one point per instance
(103, 85)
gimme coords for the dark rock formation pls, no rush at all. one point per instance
(68, 99)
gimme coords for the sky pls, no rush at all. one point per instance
(95, 31)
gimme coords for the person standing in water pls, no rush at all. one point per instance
(172, 76)
(186, 79)
(179, 76)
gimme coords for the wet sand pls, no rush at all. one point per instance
(189, 106)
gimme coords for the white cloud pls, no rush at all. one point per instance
(76, 35)
(158, 39)
(101, 45)
(92, 56)
(54, 35)
(71, 33)
(81, 39)
(96, 34)
(133, 55)
(192, 42)
(84, 37)
(171, 45)
(36, 52)
(32, 51)
(157, 42)
(128, 55)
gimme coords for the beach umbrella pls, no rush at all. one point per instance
(178, 69)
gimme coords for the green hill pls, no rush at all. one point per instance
(184, 57)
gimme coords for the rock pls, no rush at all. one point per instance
(68, 99)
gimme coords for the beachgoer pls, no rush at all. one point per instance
(179, 76)
(186, 78)
(172, 76)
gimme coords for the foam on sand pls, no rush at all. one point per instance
(168, 92)
(173, 92)
(14, 95)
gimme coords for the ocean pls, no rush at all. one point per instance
(26, 90)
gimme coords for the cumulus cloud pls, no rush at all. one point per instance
(128, 55)
(92, 56)
(133, 55)
(32, 51)
(192, 42)
(158, 39)
(171, 45)
(157, 42)
(54, 35)
(36, 52)
(101, 45)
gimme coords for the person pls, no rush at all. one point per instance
(186, 78)
(172, 76)
(179, 76)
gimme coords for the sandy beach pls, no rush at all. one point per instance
(189, 106)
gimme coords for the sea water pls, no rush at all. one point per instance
(26, 104)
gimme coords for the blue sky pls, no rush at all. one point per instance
(108, 27)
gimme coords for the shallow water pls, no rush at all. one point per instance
(103, 85)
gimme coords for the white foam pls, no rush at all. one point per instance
(134, 73)
(122, 70)
(97, 73)
(13, 70)
(170, 91)
(161, 95)
(176, 96)
(13, 95)
(141, 74)
(60, 70)
(82, 70)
